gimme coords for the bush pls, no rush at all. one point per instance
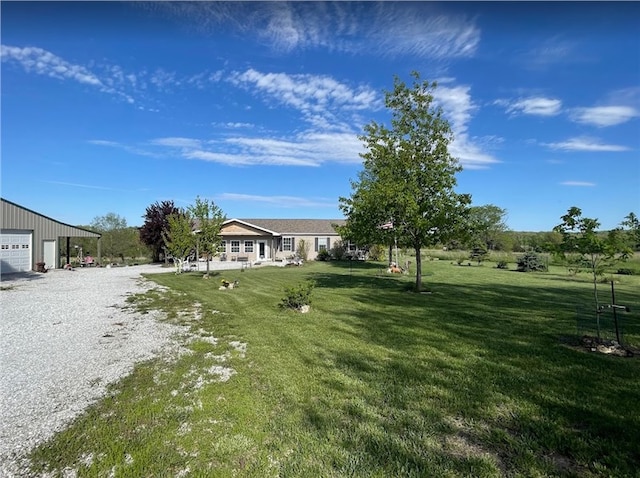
(302, 250)
(338, 251)
(297, 296)
(626, 272)
(377, 252)
(478, 254)
(323, 255)
(502, 265)
(531, 262)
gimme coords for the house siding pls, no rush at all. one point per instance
(273, 231)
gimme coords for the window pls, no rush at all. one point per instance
(287, 244)
(235, 246)
(223, 246)
(5, 246)
(25, 246)
(351, 246)
(322, 243)
(248, 246)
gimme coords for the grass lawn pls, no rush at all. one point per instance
(475, 379)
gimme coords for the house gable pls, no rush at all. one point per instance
(235, 227)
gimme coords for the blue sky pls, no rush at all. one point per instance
(110, 107)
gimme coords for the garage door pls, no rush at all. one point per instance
(15, 251)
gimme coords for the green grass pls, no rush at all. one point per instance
(475, 379)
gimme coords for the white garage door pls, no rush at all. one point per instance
(15, 252)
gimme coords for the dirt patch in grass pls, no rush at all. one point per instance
(591, 344)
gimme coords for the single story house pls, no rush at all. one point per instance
(276, 239)
(28, 238)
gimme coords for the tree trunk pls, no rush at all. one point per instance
(208, 258)
(418, 269)
(390, 253)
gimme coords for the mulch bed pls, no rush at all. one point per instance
(588, 343)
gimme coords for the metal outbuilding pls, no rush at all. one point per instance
(28, 238)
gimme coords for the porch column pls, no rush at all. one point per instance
(68, 251)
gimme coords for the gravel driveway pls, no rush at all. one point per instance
(63, 338)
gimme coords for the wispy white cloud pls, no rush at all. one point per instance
(412, 29)
(538, 106)
(78, 185)
(124, 147)
(175, 142)
(309, 149)
(42, 62)
(238, 125)
(279, 201)
(584, 143)
(602, 116)
(165, 80)
(578, 183)
(307, 93)
(245, 159)
(458, 107)
(547, 53)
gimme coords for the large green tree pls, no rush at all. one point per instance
(487, 226)
(156, 224)
(114, 234)
(408, 177)
(209, 219)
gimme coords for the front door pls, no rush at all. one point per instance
(262, 250)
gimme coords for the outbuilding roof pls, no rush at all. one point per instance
(15, 216)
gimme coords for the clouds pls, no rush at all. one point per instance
(307, 93)
(42, 62)
(412, 29)
(407, 29)
(308, 149)
(597, 116)
(586, 144)
(39, 61)
(279, 201)
(550, 53)
(580, 184)
(537, 106)
(458, 106)
(602, 116)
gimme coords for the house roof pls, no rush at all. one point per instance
(295, 226)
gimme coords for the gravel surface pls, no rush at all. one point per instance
(64, 336)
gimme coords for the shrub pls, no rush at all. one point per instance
(502, 265)
(323, 255)
(478, 254)
(302, 250)
(338, 251)
(297, 296)
(377, 252)
(531, 262)
(626, 272)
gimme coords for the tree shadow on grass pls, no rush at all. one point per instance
(487, 355)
